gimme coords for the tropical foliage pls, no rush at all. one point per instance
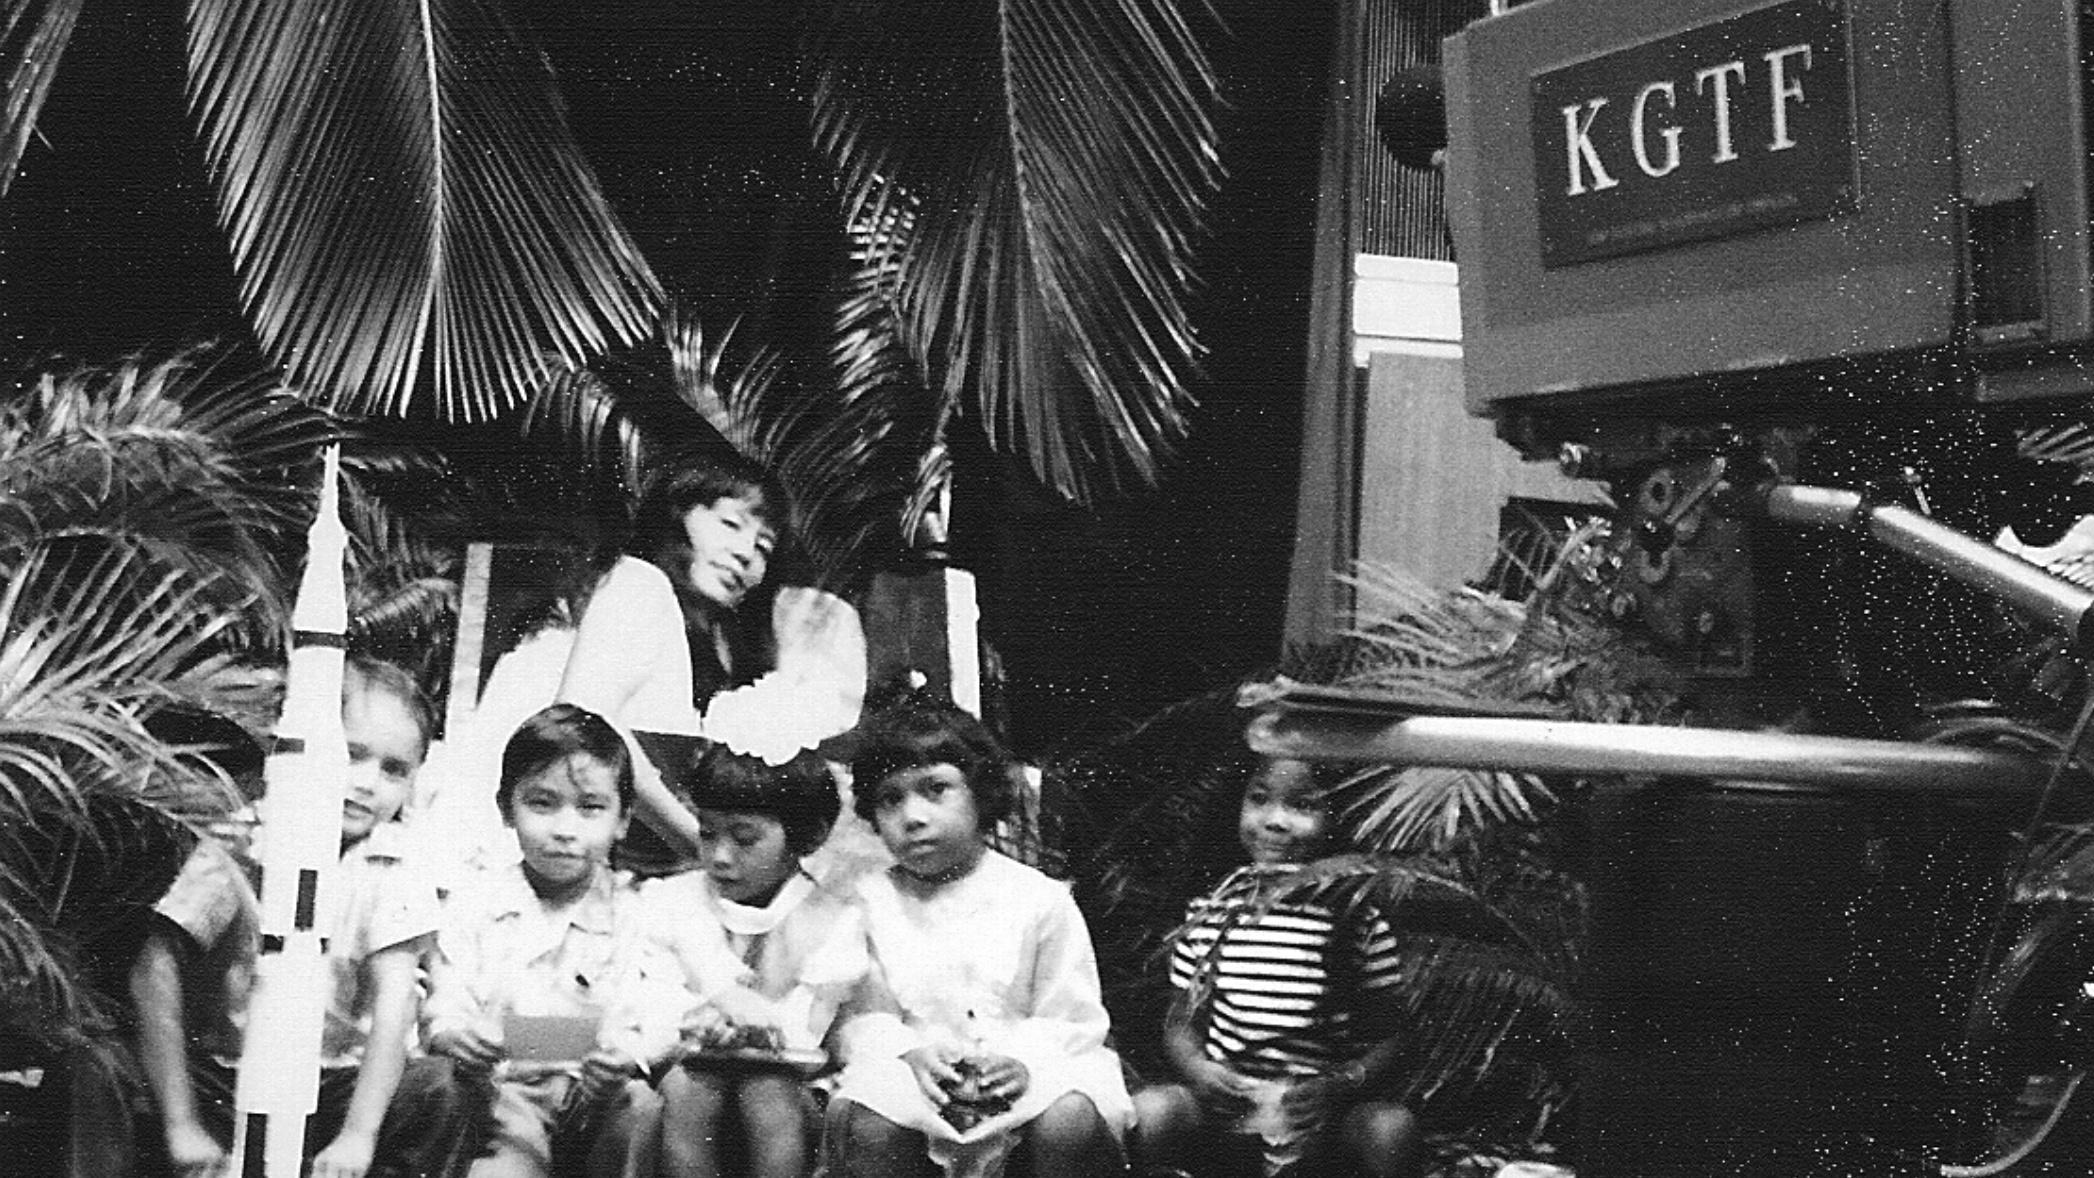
(138, 510)
(1467, 865)
(150, 514)
(412, 219)
(1079, 135)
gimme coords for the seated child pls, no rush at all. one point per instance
(794, 949)
(556, 936)
(173, 1137)
(1281, 1031)
(191, 981)
(197, 966)
(981, 1027)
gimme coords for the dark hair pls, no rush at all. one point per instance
(919, 732)
(689, 479)
(400, 682)
(800, 794)
(686, 480)
(213, 737)
(1324, 778)
(554, 734)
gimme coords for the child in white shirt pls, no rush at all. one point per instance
(793, 950)
(556, 937)
(377, 1112)
(981, 1028)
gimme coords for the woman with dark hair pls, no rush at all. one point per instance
(684, 632)
(698, 567)
(697, 564)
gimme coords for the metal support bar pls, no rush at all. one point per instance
(2022, 585)
(1559, 746)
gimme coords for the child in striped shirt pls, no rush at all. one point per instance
(1282, 1031)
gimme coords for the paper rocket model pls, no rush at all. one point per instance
(300, 845)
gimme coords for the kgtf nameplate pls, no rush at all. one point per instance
(1717, 130)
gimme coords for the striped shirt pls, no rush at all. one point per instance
(1295, 990)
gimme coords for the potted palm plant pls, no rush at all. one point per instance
(148, 514)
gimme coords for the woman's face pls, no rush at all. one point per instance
(730, 549)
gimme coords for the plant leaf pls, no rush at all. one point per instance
(1056, 157)
(2067, 445)
(169, 459)
(1427, 807)
(403, 194)
(33, 37)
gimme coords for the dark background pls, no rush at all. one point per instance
(108, 245)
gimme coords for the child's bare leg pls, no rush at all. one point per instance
(694, 1107)
(1070, 1140)
(1380, 1139)
(861, 1143)
(629, 1138)
(1167, 1120)
(775, 1112)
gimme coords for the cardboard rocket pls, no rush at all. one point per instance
(300, 844)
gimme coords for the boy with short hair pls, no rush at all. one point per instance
(196, 968)
(557, 936)
(192, 977)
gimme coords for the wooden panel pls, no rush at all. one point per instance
(1432, 478)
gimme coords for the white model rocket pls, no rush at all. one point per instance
(300, 844)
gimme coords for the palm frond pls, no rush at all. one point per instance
(403, 591)
(1423, 808)
(1466, 647)
(2060, 866)
(1478, 1009)
(866, 462)
(76, 926)
(33, 37)
(173, 458)
(249, 693)
(41, 990)
(91, 804)
(871, 352)
(578, 412)
(728, 396)
(1056, 157)
(406, 202)
(2067, 445)
(94, 631)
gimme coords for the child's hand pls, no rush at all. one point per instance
(1223, 1092)
(194, 1152)
(934, 1073)
(473, 1051)
(729, 1017)
(995, 1078)
(348, 1156)
(604, 1071)
(744, 1007)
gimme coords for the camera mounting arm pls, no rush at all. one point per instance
(2026, 587)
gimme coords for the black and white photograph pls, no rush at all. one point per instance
(1046, 589)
